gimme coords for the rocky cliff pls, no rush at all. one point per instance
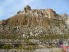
(35, 22)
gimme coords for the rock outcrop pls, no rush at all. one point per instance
(51, 13)
(42, 21)
(27, 8)
(34, 28)
(32, 17)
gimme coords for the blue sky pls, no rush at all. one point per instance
(9, 8)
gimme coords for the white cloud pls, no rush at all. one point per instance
(27, 2)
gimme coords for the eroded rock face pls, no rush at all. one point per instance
(51, 13)
(32, 18)
(46, 19)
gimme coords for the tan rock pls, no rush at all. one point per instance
(50, 13)
(0, 22)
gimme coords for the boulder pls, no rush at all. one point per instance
(27, 8)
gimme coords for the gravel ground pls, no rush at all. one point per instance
(37, 50)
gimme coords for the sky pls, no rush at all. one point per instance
(9, 8)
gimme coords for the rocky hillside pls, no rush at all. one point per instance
(34, 22)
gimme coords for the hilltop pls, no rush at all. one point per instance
(45, 20)
(34, 17)
(34, 27)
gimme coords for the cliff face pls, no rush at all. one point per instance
(30, 17)
(42, 21)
